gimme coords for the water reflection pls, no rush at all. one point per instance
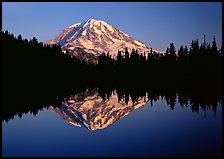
(98, 108)
(22, 99)
(94, 107)
(90, 110)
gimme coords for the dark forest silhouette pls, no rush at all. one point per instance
(36, 75)
(198, 65)
(40, 100)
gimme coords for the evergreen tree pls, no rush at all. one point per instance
(126, 54)
(214, 47)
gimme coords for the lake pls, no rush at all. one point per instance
(91, 123)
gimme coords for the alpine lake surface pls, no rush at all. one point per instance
(91, 124)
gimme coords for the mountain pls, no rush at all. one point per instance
(96, 37)
(88, 109)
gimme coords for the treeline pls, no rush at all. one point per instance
(31, 62)
(196, 65)
(36, 75)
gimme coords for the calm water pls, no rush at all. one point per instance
(88, 125)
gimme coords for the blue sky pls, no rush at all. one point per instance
(155, 23)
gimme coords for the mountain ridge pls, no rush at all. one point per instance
(97, 37)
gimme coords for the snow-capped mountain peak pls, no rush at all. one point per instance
(97, 37)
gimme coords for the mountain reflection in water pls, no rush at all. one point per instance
(90, 110)
(96, 107)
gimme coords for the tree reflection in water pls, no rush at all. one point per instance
(96, 107)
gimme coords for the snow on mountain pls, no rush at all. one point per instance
(74, 25)
(88, 109)
(97, 37)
